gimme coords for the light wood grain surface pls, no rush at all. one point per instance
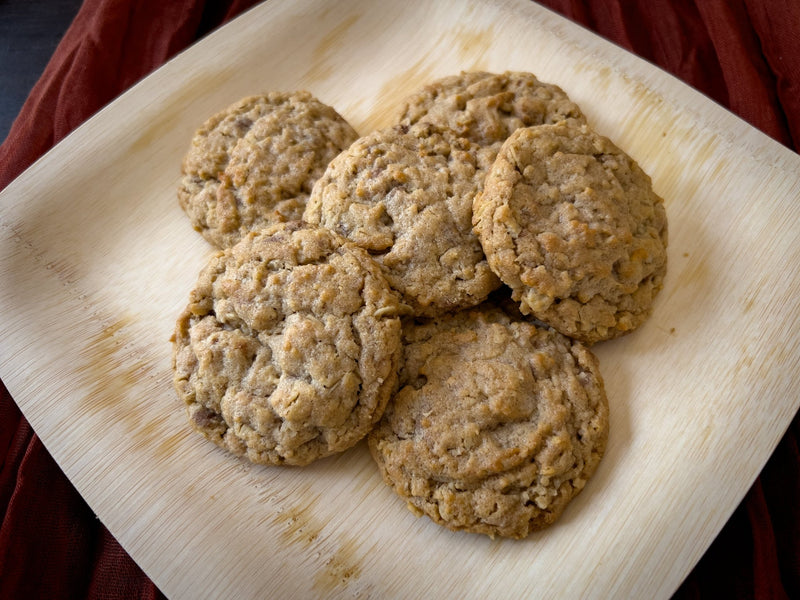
(98, 260)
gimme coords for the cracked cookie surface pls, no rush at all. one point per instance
(289, 346)
(486, 107)
(496, 426)
(254, 163)
(572, 225)
(405, 195)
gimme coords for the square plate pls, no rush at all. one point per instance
(98, 260)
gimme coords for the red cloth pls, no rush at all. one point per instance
(745, 54)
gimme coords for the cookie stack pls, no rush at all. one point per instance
(434, 286)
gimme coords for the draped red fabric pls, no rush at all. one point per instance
(744, 54)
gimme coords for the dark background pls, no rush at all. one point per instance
(29, 33)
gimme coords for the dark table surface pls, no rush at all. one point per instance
(29, 33)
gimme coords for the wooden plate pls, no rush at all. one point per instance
(98, 260)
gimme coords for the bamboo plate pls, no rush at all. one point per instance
(98, 260)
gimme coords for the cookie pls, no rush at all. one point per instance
(486, 108)
(254, 164)
(405, 195)
(571, 223)
(288, 349)
(496, 426)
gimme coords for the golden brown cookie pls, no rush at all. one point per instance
(405, 195)
(255, 163)
(289, 346)
(486, 108)
(571, 223)
(497, 425)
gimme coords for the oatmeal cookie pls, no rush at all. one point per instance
(255, 163)
(405, 195)
(289, 346)
(571, 223)
(486, 108)
(497, 425)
